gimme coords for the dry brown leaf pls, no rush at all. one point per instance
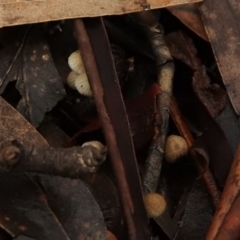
(15, 12)
(189, 15)
(222, 26)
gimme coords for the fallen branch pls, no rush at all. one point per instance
(67, 162)
(164, 62)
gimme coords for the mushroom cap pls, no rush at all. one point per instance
(75, 62)
(71, 79)
(155, 204)
(175, 147)
(82, 85)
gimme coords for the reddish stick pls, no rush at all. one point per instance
(229, 194)
(230, 228)
(206, 174)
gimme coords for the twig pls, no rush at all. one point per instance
(165, 66)
(204, 172)
(230, 228)
(230, 192)
(107, 96)
(67, 162)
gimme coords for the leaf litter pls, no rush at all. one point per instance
(139, 75)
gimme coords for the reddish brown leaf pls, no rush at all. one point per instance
(140, 112)
(189, 14)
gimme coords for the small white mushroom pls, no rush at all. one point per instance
(82, 85)
(175, 147)
(75, 62)
(71, 79)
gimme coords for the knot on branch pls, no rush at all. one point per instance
(10, 154)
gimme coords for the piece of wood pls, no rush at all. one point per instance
(15, 12)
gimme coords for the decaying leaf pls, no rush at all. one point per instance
(32, 203)
(229, 122)
(24, 209)
(21, 12)
(74, 207)
(189, 14)
(14, 126)
(211, 95)
(106, 196)
(226, 50)
(197, 215)
(11, 55)
(41, 87)
(24, 237)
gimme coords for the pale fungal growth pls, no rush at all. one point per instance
(77, 78)
(175, 147)
(82, 85)
(98, 145)
(155, 204)
(71, 79)
(75, 62)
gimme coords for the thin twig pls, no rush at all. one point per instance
(121, 153)
(230, 228)
(230, 192)
(155, 33)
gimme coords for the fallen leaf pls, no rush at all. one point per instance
(22, 12)
(41, 87)
(24, 209)
(24, 237)
(74, 207)
(189, 15)
(226, 49)
(213, 96)
(229, 122)
(14, 126)
(197, 214)
(105, 193)
(29, 204)
(11, 55)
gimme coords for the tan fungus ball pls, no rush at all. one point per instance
(155, 204)
(175, 147)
